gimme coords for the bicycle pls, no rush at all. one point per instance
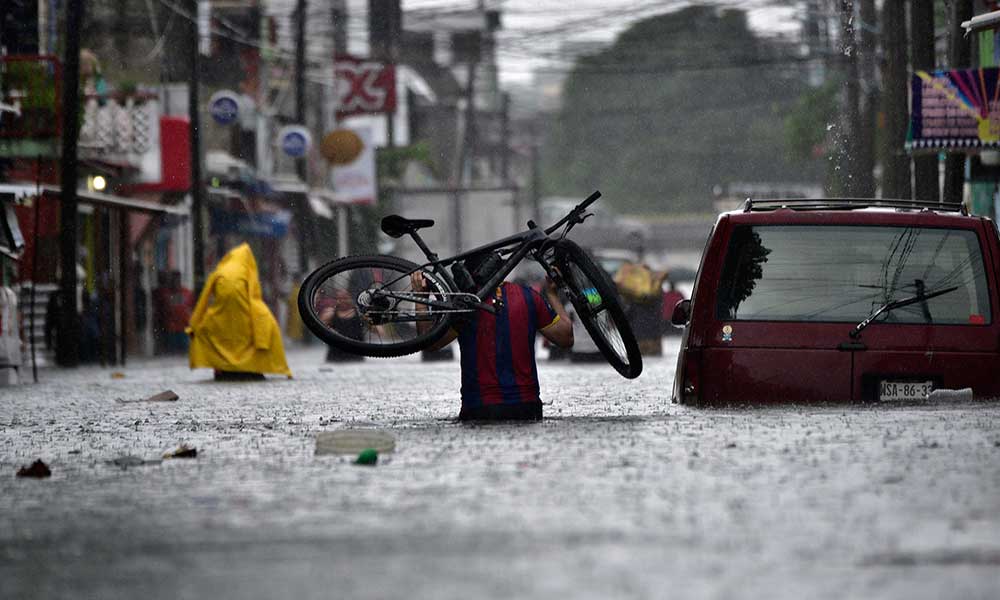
(366, 304)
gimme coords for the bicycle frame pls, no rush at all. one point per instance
(534, 241)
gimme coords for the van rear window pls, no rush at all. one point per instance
(845, 273)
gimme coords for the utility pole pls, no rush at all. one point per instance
(68, 340)
(505, 138)
(339, 13)
(868, 107)
(895, 164)
(458, 175)
(848, 155)
(925, 167)
(302, 204)
(960, 57)
(340, 49)
(536, 182)
(385, 23)
(300, 76)
(194, 119)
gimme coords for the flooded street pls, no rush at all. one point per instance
(617, 493)
(219, 183)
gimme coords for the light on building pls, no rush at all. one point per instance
(100, 183)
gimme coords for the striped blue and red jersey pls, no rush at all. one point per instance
(498, 350)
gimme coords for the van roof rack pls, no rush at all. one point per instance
(849, 204)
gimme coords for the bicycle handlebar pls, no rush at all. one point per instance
(575, 212)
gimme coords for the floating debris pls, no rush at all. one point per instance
(368, 456)
(118, 375)
(183, 451)
(132, 461)
(38, 470)
(165, 396)
(942, 395)
(354, 441)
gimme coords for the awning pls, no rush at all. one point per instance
(11, 239)
(321, 200)
(261, 224)
(990, 20)
(21, 191)
(320, 206)
(120, 202)
(288, 184)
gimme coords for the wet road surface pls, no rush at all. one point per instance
(616, 494)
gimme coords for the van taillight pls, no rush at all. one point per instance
(690, 390)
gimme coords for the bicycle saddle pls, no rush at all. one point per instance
(397, 226)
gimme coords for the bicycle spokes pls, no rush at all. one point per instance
(381, 305)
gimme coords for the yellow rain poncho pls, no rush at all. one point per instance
(231, 327)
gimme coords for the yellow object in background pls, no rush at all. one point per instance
(294, 327)
(232, 328)
(639, 283)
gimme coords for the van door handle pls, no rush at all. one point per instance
(851, 346)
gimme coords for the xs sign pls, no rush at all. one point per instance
(365, 86)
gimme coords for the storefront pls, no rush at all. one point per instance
(114, 286)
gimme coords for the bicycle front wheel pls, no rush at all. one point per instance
(366, 305)
(597, 305)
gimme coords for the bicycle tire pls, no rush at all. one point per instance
(321, 285)
(595, 299)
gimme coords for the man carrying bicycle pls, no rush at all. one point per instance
(499, 375)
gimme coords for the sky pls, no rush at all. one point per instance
(536, 34)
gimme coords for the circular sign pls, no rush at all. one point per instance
(224, 106)
(294, 140)
(341, 147)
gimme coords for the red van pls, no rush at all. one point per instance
(842, 300)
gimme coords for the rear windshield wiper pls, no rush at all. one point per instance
(898, 304)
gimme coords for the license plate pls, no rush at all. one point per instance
(889, 391)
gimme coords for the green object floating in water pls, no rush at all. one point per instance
(351, 441)
(368, 456)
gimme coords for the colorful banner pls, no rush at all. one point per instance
(955, 109)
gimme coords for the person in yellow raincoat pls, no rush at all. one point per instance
(232, 330)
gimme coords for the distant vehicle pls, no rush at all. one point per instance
(612, 259)
(584, 349)
(615, 238)
(842, 300)
(554, 207)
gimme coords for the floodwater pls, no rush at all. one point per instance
(615, 494)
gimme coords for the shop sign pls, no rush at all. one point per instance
(955, 109)
(354, 181)
(294, 140)
(224, 106)
(364, 86)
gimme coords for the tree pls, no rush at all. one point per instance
(680, 103)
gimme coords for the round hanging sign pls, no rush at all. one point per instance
(294, 140)
(341, 147)
(224, 106)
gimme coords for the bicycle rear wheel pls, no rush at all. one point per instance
(366, 305)
(597, 306)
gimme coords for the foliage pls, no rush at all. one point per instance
(128, 87)
(34, 79)
(809, 123)
(36, 91)
(740, 274)
(680, 103)
(391, 161)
